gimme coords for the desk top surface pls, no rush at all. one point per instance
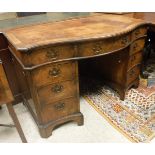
(77, 29)
(146, 16)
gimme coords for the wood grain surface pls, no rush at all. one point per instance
(78, 29)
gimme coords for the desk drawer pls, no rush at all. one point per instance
(133, 74)
(103, 46)
(139, 32)
(60, 109)
(53, 73)
(135, 59)
(40, 56)
(58, 91)
(137, 46)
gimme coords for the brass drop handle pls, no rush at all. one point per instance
(59, 106)
(52, 54)
(57, 88)
(54, 72)
(124, 41)
(96, 51)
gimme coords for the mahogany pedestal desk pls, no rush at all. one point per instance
(49, 54)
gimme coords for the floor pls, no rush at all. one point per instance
(95, 129)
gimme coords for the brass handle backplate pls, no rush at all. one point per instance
(135, 46)
(54, 72)
(124, 41)
(59, 106)
(57, 88)
(52, 54)
(137, 32)
(97, 49)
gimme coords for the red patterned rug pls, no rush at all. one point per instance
(134, 117)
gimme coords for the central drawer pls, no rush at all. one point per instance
(57, 91)
(53, 73)
(103, 46)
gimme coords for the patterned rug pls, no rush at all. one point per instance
(134, 117)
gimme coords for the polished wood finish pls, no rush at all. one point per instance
(9, 67)
(44, 55)
(149, 18)
(134, 60)
(137, 33)
(87, 28)
(57, 91)
(13, 70)
(59, 109)
(54, 73)
(137, 46)
(6, 97)
(5, 93)
(49, 54)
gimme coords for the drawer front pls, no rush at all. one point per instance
(60, 109)
(57, 91)
(50, 54)
(139, 32)
(54, 73)
(135, 59)
(103, 46)
(133, 74)
(137, 46)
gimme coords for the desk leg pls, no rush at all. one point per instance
(16, 122)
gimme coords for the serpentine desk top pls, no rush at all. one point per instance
(71, 30)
